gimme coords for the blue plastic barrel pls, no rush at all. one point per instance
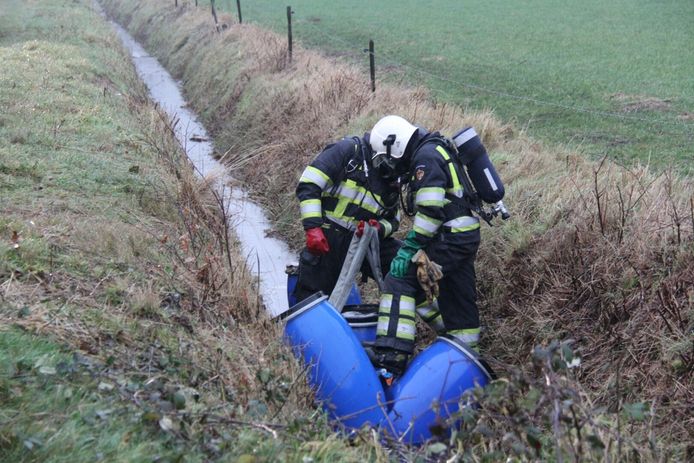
(292, 277)
(363, 319)
(344, 380)
(292, 271)
(354, 297)
(431, 389)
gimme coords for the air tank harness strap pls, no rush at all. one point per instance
(462, 186)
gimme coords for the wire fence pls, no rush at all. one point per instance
(388, 59)
(680, 126)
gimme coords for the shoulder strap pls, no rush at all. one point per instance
(450, 154)
(351, 165)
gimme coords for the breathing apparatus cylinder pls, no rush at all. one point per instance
(480, 169)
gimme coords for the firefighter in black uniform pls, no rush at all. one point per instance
(339, 192)
(444, 227)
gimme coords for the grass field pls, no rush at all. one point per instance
(609, 78)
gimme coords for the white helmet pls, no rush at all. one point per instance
(391, 135)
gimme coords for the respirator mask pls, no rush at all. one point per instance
(383, 163)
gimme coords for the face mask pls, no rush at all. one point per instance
(385, 165)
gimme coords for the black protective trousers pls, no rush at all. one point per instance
(457, 300)
(320, 273)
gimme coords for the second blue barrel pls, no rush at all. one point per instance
(292, 271)
(431, 389)
(363, 319)
(344, 380)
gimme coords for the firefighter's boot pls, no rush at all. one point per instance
(392, 360)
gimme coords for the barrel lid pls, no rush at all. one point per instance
(470, 353)
(303, 306)
(361, 315)
(361, 308)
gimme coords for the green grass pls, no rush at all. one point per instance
(73, 220)
(54, 407)
(608, 78)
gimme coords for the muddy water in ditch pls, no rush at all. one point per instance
(266, 257)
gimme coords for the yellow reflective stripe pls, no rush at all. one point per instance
(349, 190)
(430, 196)
(382, 325)
(387, 227)
(425, 225)
(354, 194)
(463, 224)
(316, 176)
(427, 312)
(384, 314)
(343, 202)
(406, 330)
(468, 336)
(310, 208)
(465, 229)
(407, 306)
(457, 189)
(371, 201)
(437, 324)
(370, 204)
(344, 221)
(386, 303)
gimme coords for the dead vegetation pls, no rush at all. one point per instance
(595, 252)
(637, 103)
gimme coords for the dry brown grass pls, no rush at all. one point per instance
(595, 251)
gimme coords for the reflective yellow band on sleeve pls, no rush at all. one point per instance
(430, 196)
(387, 227)
(315, 176)
(310, 208)
(425, 225)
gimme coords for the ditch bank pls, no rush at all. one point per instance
(595, 252)
(266, 257)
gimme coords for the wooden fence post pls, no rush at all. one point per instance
(289, 31)
(214, 15)
(372, 65)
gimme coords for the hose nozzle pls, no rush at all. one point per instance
(499, 208)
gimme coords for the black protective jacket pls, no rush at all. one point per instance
(437, 193)
(338, 188)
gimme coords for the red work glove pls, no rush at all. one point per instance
(372, 222)
(316, 242)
